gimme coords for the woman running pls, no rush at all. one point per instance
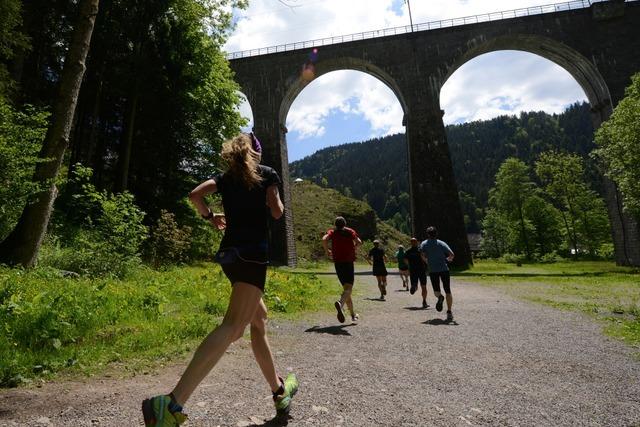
(403, 267)
(249, 193)
(378, 258)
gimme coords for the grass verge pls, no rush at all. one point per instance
(50, 324)
(607, 292)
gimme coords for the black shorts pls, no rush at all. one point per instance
(345, 272)
(446, 281)
(249, 272)
(379, 270)
(418, 276)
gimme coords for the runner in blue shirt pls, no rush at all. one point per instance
(437, 253)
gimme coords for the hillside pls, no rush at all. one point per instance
(375, 171)
(314, 210)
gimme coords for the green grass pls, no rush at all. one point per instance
(51, 325)
(601, 289)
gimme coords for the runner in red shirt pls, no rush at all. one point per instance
(344, 242)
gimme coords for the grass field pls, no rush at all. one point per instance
(603, 290)
(50, 324)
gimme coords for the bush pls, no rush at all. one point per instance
(606, 251)
(86, 254)
(550, 258)
(169, 243)
(513, 258)
(205, 239)
(103, 233)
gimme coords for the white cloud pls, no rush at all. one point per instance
(491, 85)
(349, 92)
(507, 82)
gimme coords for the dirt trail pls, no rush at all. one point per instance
(504, 362)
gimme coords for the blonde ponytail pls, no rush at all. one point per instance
(242, 160)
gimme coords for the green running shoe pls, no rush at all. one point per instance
(283, 401)
(156, 413)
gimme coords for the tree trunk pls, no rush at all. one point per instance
(23, 243)
(125, 152)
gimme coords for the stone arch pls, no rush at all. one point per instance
(295, 84)
(579, 67)
(595, 88)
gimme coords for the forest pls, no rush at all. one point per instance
(103, 155)
(477, 151)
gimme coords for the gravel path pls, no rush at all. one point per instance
(504, 362)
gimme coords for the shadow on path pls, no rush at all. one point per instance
(274, 422)
(439, 322)
(420, 308)
(333, 330)
(375, 299)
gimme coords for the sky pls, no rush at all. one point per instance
(348, 106)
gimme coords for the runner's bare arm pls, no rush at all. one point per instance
(197, 199)
(274, 202)
(451, 256)
(325, 245)
(424, 257)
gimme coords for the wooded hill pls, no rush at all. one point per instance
(376, 170)
(314, 210)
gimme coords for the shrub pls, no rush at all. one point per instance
(103, 234)
(606, 251)
(169, 243)
(550, 258)
(513, 258)
(205, 239)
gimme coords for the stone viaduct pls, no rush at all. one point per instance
(598, 44)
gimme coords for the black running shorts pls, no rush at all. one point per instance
(418, 276)
(379, 270)
(249, 272)
(446, 281)
(345, 272)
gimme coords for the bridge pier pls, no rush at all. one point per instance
(273, 137)
(434, 192)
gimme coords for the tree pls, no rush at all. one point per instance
(21, 135)
(618, 140)
(544, 219)
(581, 209)
(513, 188)
(495, 234)
(10, 38)
(152, 119)
(23, 243)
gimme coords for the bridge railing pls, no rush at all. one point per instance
(434, 25)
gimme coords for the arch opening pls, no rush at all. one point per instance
(342, 107)
(548, 97)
